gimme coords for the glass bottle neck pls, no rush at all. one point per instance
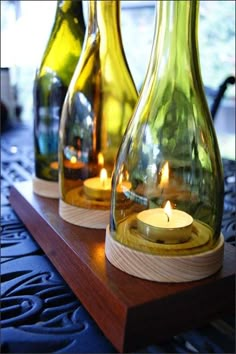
(71, 6)
(104, 17)
(72, 10)
(175, 43)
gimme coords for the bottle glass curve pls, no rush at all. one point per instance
(170, 150)
(97, 108)
(51, 84)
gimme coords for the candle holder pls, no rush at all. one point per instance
(50, 86)
(95, 114)
(168, 225)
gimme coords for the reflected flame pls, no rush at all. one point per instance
(100, 159)
(121, 178)
(165, 174)
(168, 210)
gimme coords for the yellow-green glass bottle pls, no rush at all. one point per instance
(170, 151)
(50, 86)
(96, 111)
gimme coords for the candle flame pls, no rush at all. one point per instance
(165, 174)
(103, 177)
(100, 159)
(168, 210)
(73, 159)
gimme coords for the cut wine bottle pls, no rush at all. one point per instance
(96, 111)
(170, 161)
(51, 84)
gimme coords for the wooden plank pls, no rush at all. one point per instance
(130, 311)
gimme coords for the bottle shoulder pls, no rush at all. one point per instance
(63, 48)
(107, 70)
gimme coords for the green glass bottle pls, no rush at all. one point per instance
(96, 111)
(51, 83)
(169, 158)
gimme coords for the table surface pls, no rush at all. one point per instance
(40, 314)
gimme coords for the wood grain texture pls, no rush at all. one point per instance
(91, 218)
(131, 312)
(45, 188)
(164, 268)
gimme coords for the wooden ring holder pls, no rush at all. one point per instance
(45, 188)
(164, 268)
(91, 218)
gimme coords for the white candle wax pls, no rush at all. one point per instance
(156, 225)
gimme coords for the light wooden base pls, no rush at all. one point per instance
(91, 218)
(45, 188)
(164, 268)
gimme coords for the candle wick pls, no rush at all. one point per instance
(168, 218)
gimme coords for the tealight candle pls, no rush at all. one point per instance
(73, 163)
(54, 165)
(98, 187)
(166, 225)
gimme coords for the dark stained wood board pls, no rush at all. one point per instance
(131, 312)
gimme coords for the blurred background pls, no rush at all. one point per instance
(25, 29)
